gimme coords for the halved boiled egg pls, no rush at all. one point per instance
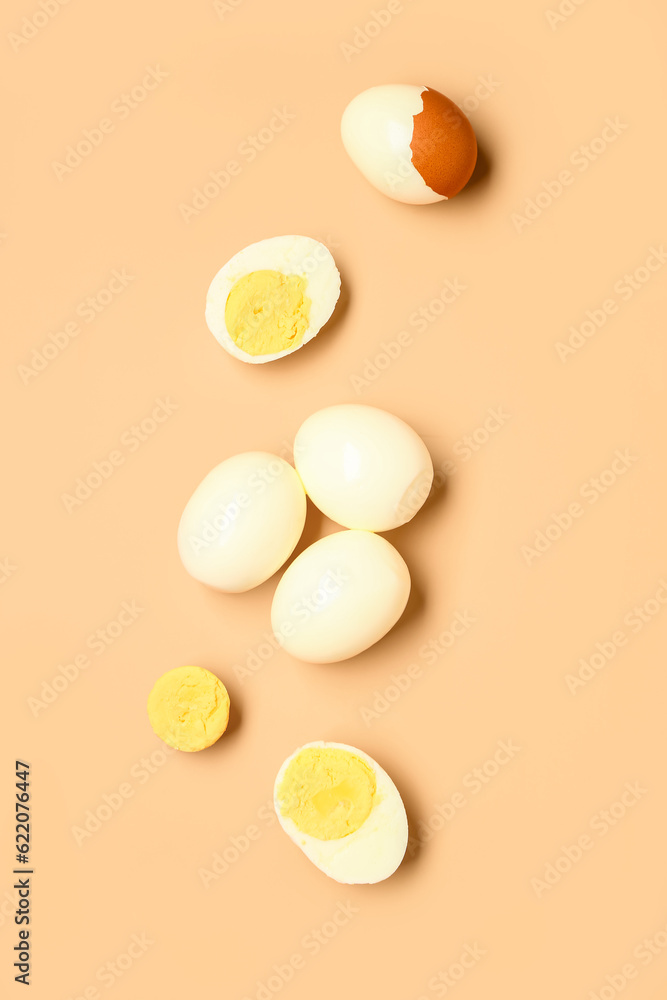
(272, 297)
(343, 811)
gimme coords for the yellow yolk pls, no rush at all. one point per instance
(267, 312)
(327, 792)
(188, 708)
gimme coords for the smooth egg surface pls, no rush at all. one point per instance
(363, 467)
(242, 522)
(340, 596)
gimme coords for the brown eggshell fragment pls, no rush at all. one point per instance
(444, 147)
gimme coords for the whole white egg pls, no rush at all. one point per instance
(242, 522)
(363, 467)
(340, 596)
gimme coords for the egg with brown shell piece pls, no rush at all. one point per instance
(412, 143)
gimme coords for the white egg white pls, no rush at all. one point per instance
(374, 851)
(376, 129)
(340, 596)
(242, 522)
(299, 255)
(363, 467)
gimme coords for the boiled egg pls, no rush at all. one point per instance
(362, 466)
(343, 811)
(242, 522)
(272, 298)
(412, 143)
(340, 596)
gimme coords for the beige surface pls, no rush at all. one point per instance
(490, 360)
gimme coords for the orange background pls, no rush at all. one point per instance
(67, 574)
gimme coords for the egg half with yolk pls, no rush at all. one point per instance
(343, 811)
(272, 298)
(412, 143)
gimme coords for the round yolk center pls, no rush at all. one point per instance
(189, 708)
(327, 792)
(267, 312)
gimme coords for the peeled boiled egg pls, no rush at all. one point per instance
(272, 297)
(340, 596)
(363, 467)
(242, 522)
(343, 811)
(411, 143)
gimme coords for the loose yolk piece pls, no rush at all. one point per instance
(188, 708)
(267, 312)
(327, 792)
